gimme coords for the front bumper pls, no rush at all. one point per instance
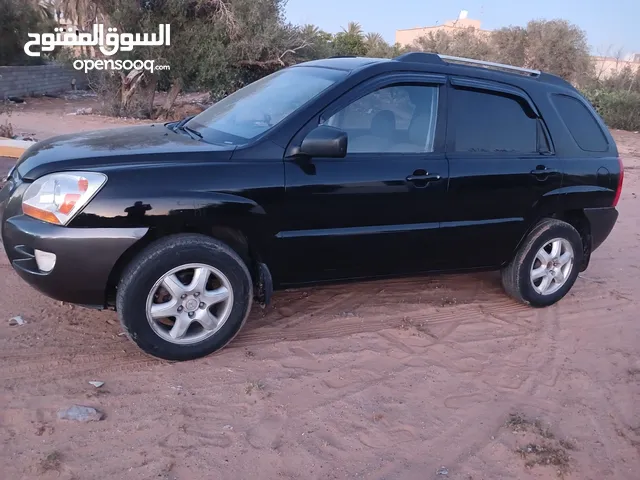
(85, 257)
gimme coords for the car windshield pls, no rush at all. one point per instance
(260, 106)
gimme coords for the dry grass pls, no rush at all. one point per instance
(545, 454)
(254, 386)
(550, 451)
(6, 130)
(51, 461)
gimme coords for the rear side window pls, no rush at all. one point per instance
(490, 123)
(580, 122)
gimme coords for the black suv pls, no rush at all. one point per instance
(344, 168)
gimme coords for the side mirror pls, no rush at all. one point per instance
(325, 141)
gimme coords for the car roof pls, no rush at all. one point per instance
(446, 65)
(343, 63)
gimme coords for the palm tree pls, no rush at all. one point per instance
(309, 30)
(353, 29)
(373, 38)
(81, 13)
(44, 8)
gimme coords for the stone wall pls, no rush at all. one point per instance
(39, 79)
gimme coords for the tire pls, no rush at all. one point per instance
(213, 260)
(517, 275)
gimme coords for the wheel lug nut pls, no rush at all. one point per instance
(202, 305)
(180, 308)
(197, 294)
(184, 295)
(191, 314)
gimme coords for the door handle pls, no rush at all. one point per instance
(425, 177)
(542, 171)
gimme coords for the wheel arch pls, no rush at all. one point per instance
(234, 237)
(574, 217)
(578, 220)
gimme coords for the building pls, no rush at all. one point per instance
(408, 36)
(607, 66)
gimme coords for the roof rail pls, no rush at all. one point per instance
(437, 58)
(420, 57)
(498, 66)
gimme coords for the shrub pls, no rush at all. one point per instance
(17, 19)
(618, 108)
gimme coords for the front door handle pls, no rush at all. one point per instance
(423, 177)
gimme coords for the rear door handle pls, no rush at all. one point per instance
(542, 171)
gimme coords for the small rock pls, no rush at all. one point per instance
(80, 414)
(227, 427)
(286, 312)
(16, 321)
(96, 384)
(443, 471)
(111, 322)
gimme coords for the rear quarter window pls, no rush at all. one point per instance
(581, 123)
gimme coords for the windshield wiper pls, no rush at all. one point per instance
(190, 131)
(181, 126)
(182, 122)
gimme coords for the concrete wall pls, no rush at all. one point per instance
(37, 80)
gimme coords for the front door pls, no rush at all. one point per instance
(377, 211)
(502, 168)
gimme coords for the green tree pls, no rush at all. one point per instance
(17, 19)
(319, 43)
(377, 47)
(350, 42)
(558, 47)
(462, 43)
(218, 45)
(509, 45)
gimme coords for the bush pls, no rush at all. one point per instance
(17, 19)
(618, 108)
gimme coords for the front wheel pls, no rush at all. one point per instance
(184, 297)
(546, 266)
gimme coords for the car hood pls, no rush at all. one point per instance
(143, 144)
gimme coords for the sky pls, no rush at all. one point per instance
(610, 24)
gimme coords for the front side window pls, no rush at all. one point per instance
(492, 123)
(399, 118)
(261, 105)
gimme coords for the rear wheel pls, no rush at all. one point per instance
(184, 297)
(546, 266)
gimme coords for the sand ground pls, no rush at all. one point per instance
(379, 380)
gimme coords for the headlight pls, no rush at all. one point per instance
(58, 197)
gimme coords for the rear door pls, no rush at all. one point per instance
(502, 168)
(378, 210)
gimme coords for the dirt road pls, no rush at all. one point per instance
(426, 378)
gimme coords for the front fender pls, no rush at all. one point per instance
(186, 201)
